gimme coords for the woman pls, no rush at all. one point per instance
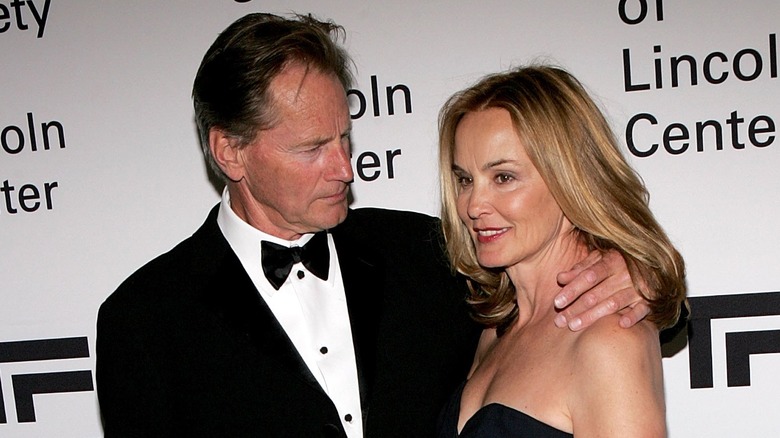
(532, 180)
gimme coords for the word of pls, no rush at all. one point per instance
(623, 11)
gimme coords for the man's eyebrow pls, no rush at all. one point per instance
(313, 141)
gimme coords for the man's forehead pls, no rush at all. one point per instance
(291, 80)
(307, 106)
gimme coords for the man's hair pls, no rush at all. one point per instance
(574, 150)
(231, 89)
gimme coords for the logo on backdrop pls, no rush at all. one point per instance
(739, 345)
(24, 15)
(371, 165)
(645, 72)
(25, 386)
(31, 139)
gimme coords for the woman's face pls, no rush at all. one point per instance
(511, 215)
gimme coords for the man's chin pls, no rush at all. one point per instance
(333, 217)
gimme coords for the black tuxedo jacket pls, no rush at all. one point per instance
(186, 346)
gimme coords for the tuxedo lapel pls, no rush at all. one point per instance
(234, 298)
(362, 273)
(232, 295)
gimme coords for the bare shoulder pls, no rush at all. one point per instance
(606, 340)
(618, 381)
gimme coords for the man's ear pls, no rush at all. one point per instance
(225, 150)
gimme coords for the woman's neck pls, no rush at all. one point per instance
(535, 280)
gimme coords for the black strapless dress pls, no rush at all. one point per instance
(493, 421)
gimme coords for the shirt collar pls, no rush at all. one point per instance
(245, 239)
(245, 235)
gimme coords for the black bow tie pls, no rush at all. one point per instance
(278, 260)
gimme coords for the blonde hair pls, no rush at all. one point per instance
(574, 150)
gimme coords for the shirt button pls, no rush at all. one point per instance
(301, 274)
(348, 418)
(324, 350)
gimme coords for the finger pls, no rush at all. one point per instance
(566, 276)
(590, 307)
(581, 305)
(585, 310)
(588, 280)
(635, 314)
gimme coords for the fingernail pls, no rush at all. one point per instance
(560, 321)
(560, 302)
(575, 324)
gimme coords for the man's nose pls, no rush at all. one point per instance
(341, 168)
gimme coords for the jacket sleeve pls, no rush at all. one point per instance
(132, 396)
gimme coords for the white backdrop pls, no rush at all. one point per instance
(107, 84)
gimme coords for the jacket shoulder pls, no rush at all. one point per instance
(183, 267)
(384, 222)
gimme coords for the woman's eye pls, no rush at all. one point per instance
(503, 178)
(464, 181)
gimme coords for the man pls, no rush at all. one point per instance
(360, 330)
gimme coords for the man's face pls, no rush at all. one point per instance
(294, 177)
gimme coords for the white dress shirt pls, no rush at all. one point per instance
(313, 313)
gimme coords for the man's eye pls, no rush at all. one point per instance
(311, 149)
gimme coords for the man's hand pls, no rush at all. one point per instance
(603, 285)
